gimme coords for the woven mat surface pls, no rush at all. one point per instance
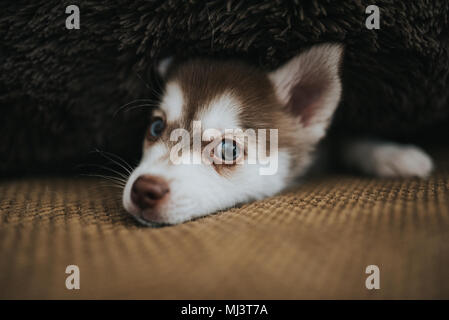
(312, 242)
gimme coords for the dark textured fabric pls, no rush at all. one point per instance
(60, 89)
(312, 242)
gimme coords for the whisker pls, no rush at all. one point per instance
(139, 106)
(124, 176)
(109, 185)
(110, 178)
(134, 101)
(144, 82)
(122, 164)
(159, 85)
(130, 103)
(154, 90)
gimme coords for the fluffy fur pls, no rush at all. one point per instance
(297, 100)
(60, 89)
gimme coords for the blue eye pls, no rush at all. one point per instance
(157, 127)
(229, 150)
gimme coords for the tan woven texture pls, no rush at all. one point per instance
(313, 242)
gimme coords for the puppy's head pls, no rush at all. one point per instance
(226, 133)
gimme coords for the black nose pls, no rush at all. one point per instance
(148, 190)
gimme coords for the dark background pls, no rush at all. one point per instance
(60, 90)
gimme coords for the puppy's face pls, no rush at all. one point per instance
(226, 133)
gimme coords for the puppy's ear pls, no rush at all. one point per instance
(309, 87)
(163, 66)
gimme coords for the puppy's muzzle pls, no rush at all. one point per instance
(147, 191)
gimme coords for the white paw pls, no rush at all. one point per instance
(401, 161)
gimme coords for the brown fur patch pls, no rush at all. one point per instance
(204, 80)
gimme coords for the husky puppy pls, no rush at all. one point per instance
(203, 100)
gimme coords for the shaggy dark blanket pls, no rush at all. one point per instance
(60, 89)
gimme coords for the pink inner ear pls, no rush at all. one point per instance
(305, 100)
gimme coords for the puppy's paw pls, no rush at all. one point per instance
(401, 161)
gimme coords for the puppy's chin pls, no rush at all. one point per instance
(153, 217)
(170, 213)
(157, 216)
(148, 223)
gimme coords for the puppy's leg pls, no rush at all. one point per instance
(386, 159)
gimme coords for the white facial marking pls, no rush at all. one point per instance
(221, 113)
(163, 66)
(172, 102)
(155, 153)
(198, 190)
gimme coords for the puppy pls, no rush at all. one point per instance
(208, 107)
